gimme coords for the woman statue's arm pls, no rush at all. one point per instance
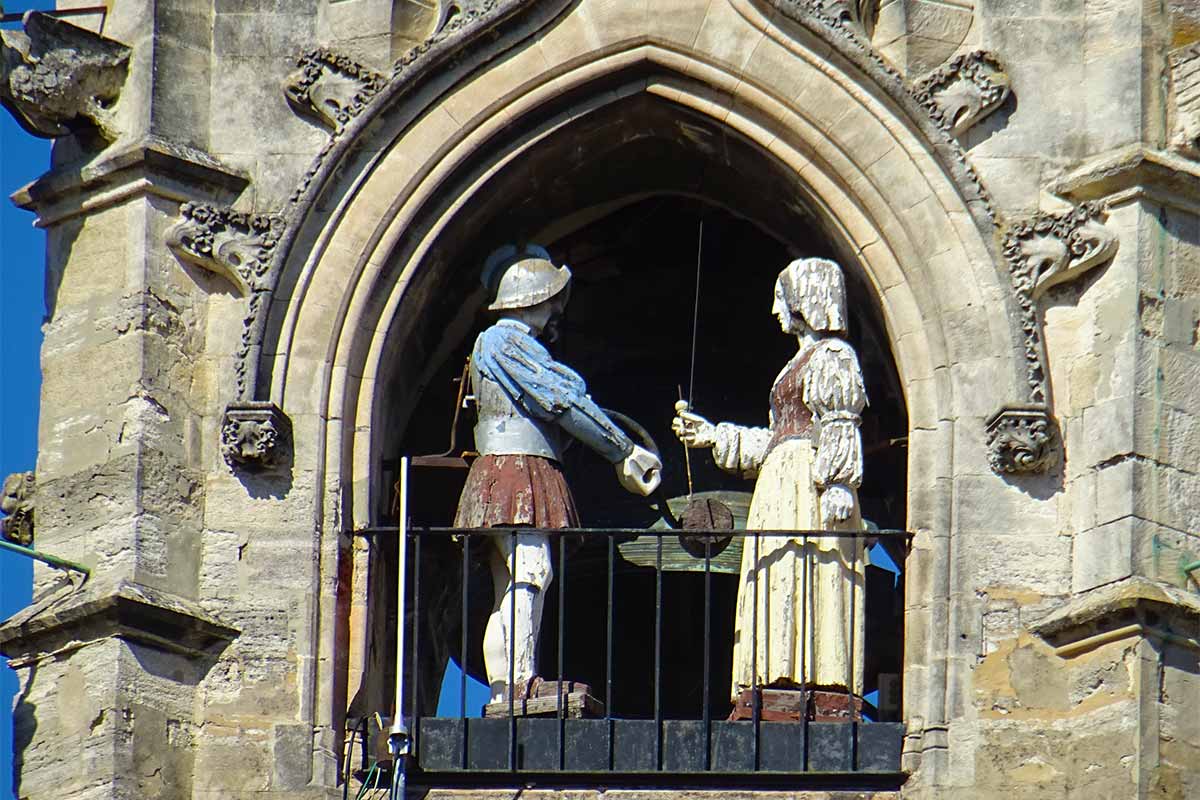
(835, 394)
(736, 448)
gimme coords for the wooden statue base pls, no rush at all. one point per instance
(577, 702)
(797, 705)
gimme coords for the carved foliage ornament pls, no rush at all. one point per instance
(17, 503)
(1042, 252)
(1022, 439)
(253, 436)
(56, 78)
(963, 91)
(332, 87)
(237, 245)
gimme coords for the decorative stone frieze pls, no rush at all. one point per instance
(254, 435)
(1022, 439)
(237, 245)
(17, 503)
(57, 78)
(1042, 252)
(1185, 105)
(964, 90)
(331, 87)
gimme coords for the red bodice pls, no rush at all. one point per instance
(790, 418)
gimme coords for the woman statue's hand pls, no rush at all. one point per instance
(837, 504)
(692, 429)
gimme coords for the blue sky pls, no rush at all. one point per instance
(22, 259)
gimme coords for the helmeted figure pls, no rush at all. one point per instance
(807, 629)
(527, 403)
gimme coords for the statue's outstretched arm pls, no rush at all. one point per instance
(736, 448)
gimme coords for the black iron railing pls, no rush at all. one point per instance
(663, 729)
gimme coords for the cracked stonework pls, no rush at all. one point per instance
(57, 78)
(963, 91)
(1042, 252)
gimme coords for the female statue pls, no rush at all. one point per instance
(807, 630)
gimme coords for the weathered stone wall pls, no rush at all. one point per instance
(1051, 634)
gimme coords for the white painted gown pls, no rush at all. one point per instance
(801, 600)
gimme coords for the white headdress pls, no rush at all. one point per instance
(815, 289)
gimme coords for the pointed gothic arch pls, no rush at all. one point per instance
(381, 232)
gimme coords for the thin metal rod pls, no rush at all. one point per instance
(398, 736)
(608, 651)
(622, 532)
(46, 558)
(696, 315)
(562, 644)
(512, 655)
(462, 651)
(414, 708)
(855, 544)
(707, 654)
(808, 642)
(755, 704)
(658, 731)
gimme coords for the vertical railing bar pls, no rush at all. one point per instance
(808, 558)
(658, 722)
(850, 683)
(608, 651)
(462, 653)
(755, 710)
(707, 651)
(562, 643)
(416, 639)
(512, 653)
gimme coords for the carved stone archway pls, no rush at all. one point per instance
(367, 235)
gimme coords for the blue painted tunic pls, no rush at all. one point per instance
(545, 390)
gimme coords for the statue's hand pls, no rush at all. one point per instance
(837, 504)
(692, 429)
(640, 472)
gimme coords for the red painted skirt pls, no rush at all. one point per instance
(516, 490)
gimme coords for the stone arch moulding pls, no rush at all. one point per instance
(1022, 435)
(883, 177)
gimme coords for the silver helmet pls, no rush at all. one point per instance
(522, 277)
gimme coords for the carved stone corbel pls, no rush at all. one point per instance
(56, 78)
(17, 503)
(333, 88)
(964, 90)
(1042, 252)
(236, 244)
(254, 436)
(1022, 439)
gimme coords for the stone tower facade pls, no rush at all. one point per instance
(265, 221)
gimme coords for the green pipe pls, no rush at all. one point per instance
(45, 558)
(1192, 567)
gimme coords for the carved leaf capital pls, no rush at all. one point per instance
(254, 436)
(1022, 439)
(332, 87)
(235, 244)
(964, 90)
